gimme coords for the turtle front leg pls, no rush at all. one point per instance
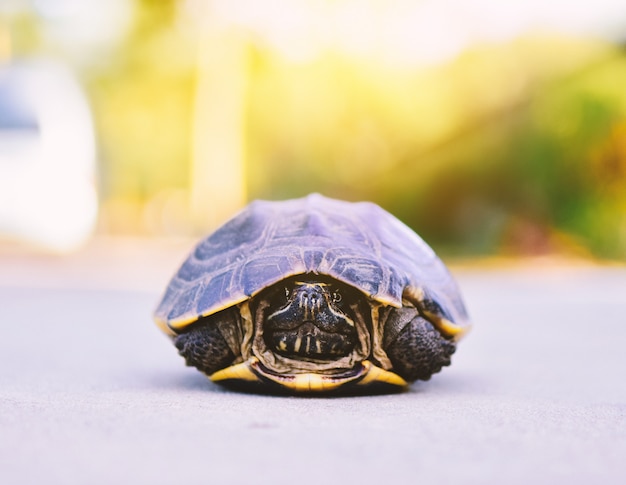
(414, 346)
(204, 346)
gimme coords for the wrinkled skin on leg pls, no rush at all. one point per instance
(204, 346)
(414, 346)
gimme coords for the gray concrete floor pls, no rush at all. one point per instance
(91, 392)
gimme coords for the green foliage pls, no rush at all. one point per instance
(142, 103)
(516, 147)
(553, 170)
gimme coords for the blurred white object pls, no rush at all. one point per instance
(47, 157)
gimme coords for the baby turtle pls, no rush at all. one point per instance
(314, 295)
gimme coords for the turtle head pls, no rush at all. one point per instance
(311, 319)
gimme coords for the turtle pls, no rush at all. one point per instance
(314, 295)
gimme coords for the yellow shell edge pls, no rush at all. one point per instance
(240, 372)
(308, 382)
(376, 374)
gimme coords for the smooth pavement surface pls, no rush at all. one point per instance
(92, 393)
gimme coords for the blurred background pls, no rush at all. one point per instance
(490, 127)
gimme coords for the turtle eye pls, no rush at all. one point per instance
(336, 296)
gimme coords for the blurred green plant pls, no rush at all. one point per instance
(516, 147)
(142, 102)
(548, 176)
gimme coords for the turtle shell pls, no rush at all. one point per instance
(359, 244)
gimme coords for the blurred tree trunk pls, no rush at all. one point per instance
(217, 183)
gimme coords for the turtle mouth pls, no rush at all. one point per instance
(308, 340)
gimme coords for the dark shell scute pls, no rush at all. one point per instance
(312, 259)
(186, 302)
(361, 272)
